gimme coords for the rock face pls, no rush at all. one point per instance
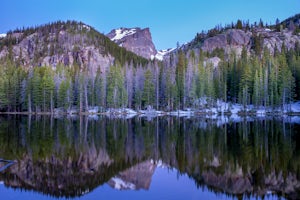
(136, 40)
(233, 40)
(53, 49)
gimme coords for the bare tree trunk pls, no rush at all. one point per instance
(44, 100)
(51, 102)
(86, 98)
(157, 88)
(80, 102)
(29, 103)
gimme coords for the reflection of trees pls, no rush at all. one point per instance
(67, 157)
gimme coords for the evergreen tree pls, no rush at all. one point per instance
(116, 92)
(64, 94)
(239, 24)
(36, 90)
(99, 89)
(47, 86)
(180, 79)
(148, 96)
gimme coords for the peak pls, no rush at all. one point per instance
(136, 40)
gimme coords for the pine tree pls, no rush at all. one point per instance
(170, 91)
(180, 79)
(148, 92)
(3, 89)
(99, 89)
(239, 24)
(116, 92)
(64, 94)
(47, 86)
(245, 85)
(256, 89)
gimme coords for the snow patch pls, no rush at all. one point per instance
(121, 33)
(121, 184)
(182, 113)
(159, 163)
(261, 112)
(215, 162)
(1, 182)
(93, 110)
(295, 120)
(3, 35)
(161, 53)
(86, 27)
(295, 107)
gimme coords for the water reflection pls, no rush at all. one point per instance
(71, 157)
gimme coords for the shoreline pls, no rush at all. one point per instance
(159, 113)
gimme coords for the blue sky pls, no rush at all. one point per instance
(169, 21)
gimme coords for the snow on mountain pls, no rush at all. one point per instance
(2, 35)
(122, 185)
(86, 27)
(136, 40)
(161, 53)
(121, 33)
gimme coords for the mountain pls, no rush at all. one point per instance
(63, 43)
(136, 40)
(254, 38)
(235, 57)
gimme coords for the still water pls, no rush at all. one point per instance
(159, 158)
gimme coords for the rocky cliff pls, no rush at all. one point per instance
(136, 40)
(234, 40)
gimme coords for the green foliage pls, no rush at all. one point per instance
(64, 94)
(148, 92)
(180, 78)
(116, 92)
(239, 24)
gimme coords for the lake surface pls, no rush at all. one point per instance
(157, 158)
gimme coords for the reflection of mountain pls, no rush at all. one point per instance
(258, 184)
(135, 178)
(61, 176)
(73, 157)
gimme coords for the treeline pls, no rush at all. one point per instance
(267, 80)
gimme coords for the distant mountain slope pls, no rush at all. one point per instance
(65, 43)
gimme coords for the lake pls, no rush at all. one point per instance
(42, 157)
